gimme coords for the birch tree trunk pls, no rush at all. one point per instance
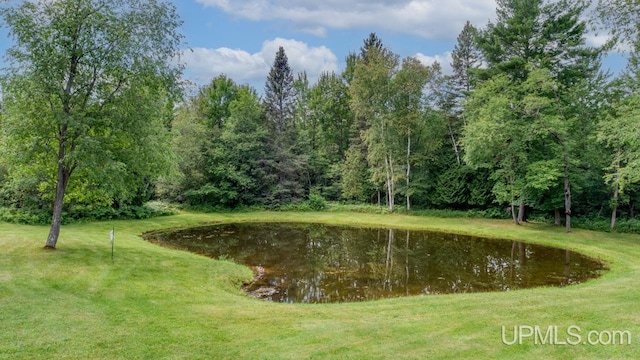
(567, 195)
(408, 170)
(513, 206)
(614, 211)
(454, 143)
(616, 191)
(388, 162)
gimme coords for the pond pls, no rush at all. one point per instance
(317, 263)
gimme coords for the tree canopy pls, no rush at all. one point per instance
(85, 93)
(526, 124)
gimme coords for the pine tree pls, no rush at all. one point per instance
(373, 42)
(466, 58)
(538, 68)
(452, 90)
(280, 93)
(287, 164)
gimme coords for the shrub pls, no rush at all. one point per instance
(317, 202)
(358, 208)
(85, 213)
(21, 216)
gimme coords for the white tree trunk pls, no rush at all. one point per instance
(408, 170)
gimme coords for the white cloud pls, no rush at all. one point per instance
(314, 61)
(433, 19)
(203, 64)
(444, 60)
(597, 40)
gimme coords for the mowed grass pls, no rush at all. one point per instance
(158, 303)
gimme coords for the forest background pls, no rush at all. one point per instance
(528, 126)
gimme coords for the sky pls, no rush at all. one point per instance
(240, 38)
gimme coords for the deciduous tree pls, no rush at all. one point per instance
(85, 87)
(371, 93)
(536, 54)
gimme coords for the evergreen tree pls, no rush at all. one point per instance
(458, 184)
(236, 171)
(466, 58)
(288, 164)
(513, 41)
(450, 91)
(537, 59)
(372, 43)
(621, 19)
(280, 93)
(301, 101)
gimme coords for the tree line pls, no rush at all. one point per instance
(528, 121)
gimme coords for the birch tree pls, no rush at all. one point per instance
(371, 94)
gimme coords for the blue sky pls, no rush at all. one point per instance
(240, 37)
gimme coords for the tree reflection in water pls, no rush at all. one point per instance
(316, 263)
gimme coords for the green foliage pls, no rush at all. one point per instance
(355, 179)
(316, 201)
(22, 216)
(397, 131)
(386, 128)
(496, 136)
(629, 226)
(279, 93)
(324, 132)
(86, 213)
(489, 213)
(286, 163)
(331, 117)
(619, 132)
(620, 18)
(220, 161)
(357, 208)
(213, 101)
(86, 95)
(526, 120)
(461, 187)
(372, 97)
(190, 137)
(235, 170)
(466, 60)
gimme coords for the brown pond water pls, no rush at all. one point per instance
(315, 263)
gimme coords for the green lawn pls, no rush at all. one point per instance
(157, 303)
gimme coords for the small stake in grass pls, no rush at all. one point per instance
(112, 235)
